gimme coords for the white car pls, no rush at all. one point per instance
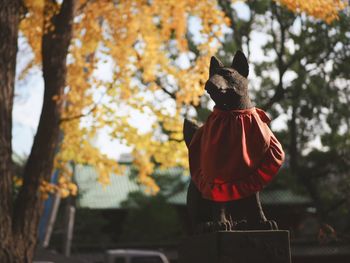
(134, 256)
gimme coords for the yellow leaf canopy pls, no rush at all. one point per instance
(124, 60)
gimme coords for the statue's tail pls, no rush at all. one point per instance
(189, 129)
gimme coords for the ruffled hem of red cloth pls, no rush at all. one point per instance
(245, 187)
(250, 184)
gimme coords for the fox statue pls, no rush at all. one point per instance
(232, 156)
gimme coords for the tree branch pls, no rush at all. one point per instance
(55, 44)
(82, 7)
(94, 107)
(79, 115)
(280, 52)
(159, 83)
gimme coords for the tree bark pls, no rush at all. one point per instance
(28, 205)
(10, 12)
(304, 178)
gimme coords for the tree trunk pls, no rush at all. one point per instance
(304, 178)
(18, 230)
(293, 144)
(10, 11)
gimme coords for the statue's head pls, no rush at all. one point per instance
(228, 86)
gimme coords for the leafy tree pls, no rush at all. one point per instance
(310, 58)
(18, 221)
(139, 38)
(70, 39)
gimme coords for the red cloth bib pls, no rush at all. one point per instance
(234, 154)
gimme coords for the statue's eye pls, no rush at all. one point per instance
(227, 73)
(228, 76)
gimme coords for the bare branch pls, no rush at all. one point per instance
(94, 107)
(79, 115)
(82, 7)
(159, 83)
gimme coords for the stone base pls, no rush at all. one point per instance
(236, 247)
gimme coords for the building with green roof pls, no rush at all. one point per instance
(96, 196)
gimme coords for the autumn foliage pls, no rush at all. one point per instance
(138, 40)
(326, 10)
(139, 43)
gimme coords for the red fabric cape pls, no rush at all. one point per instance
(234, 154)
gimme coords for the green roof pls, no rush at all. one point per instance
(284, 197)
(94, 195)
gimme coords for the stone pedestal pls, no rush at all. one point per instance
(236, 247)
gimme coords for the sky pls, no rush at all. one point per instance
(29, 97)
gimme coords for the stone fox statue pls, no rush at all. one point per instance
(232, 156)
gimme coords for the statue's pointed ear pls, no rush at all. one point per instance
(215, 64)
(240, 64)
